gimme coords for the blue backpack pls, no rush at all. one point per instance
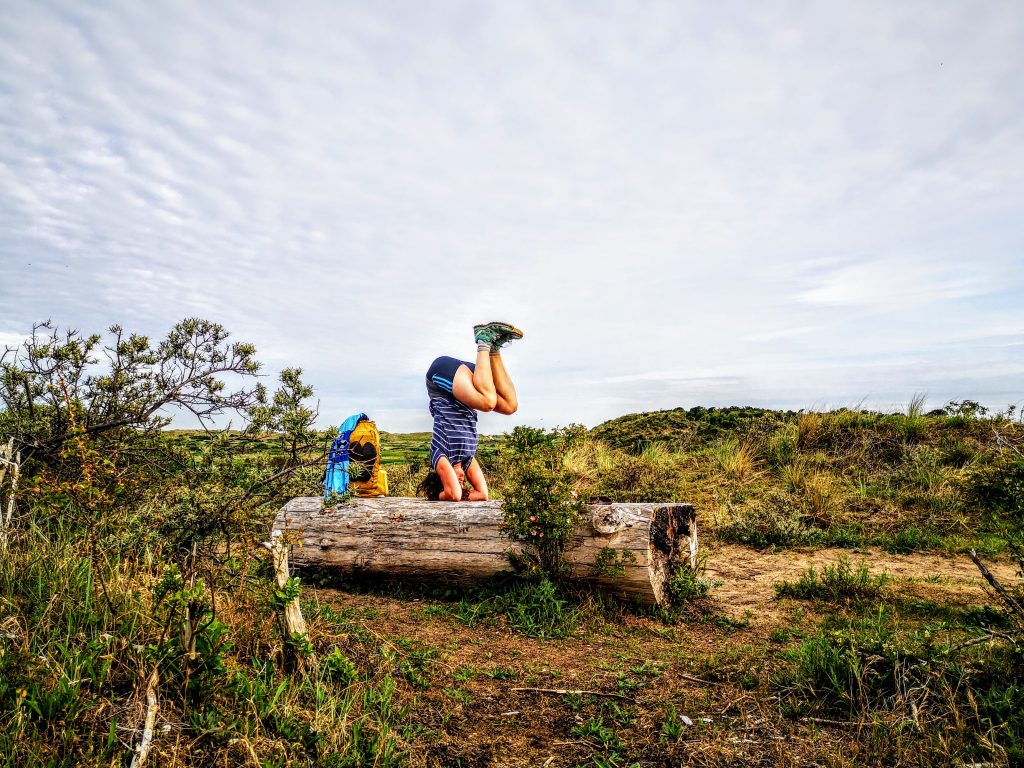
(337, 478)
(353, 463)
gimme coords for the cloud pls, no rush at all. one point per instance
(905, 281)
(11, 340)
(676, 189)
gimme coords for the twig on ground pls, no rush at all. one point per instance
(823, 721)
(999, 588)
(565, 692)
(693, 679)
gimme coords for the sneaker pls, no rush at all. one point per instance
(488, 333)
(506, 333)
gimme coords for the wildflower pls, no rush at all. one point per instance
(533, 518)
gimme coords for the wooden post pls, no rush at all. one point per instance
(8, 458)
(293, 621)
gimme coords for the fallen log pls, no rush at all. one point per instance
(640, 545)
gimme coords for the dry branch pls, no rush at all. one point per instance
(142, 751)
(999, 588)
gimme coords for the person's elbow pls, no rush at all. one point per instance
(506, 407)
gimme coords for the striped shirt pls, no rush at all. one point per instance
(454, 433)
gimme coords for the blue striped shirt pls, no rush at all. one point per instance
(455, 434)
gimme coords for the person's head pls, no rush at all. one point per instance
(431, 486)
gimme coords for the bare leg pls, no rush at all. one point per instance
(507, 402)
(476, 388)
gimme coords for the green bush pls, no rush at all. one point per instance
(540, 509)
(688, 584)
(773, 524)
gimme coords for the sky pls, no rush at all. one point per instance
(792, 205)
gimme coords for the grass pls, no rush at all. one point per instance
(532, 608)
(835, 583)
(737, 460)
(399, 677)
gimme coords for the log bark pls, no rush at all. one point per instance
(461, 542)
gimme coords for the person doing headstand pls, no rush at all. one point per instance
(457, 390)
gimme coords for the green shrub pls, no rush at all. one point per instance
(688, 584)
(540, 509)
(772, 525)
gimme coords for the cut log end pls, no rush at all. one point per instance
(669, 526)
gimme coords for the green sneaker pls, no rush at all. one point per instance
(488, 333)
(508, 333)
(496, 334)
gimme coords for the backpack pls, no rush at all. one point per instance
(353, 463)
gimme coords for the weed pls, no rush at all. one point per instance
(687, 584)
(671, 726)
(595, 731)
(836, 583)
(339, 668)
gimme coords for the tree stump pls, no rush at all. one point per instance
(461, 542)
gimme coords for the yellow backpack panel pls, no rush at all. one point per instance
(367, 476)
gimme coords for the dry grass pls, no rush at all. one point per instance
(738, 461)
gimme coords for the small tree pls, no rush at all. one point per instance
(60, 385)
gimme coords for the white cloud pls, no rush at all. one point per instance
(908, 282)
(674, 188)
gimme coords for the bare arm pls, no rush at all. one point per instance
(452, 486)
(475, 474)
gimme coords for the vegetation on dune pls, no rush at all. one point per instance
(131, 571)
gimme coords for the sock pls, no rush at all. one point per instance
(483, 346)
(495, 350)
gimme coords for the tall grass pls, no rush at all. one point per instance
(738, 461)
(82, 633)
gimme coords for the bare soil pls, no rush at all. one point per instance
(712, 669)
